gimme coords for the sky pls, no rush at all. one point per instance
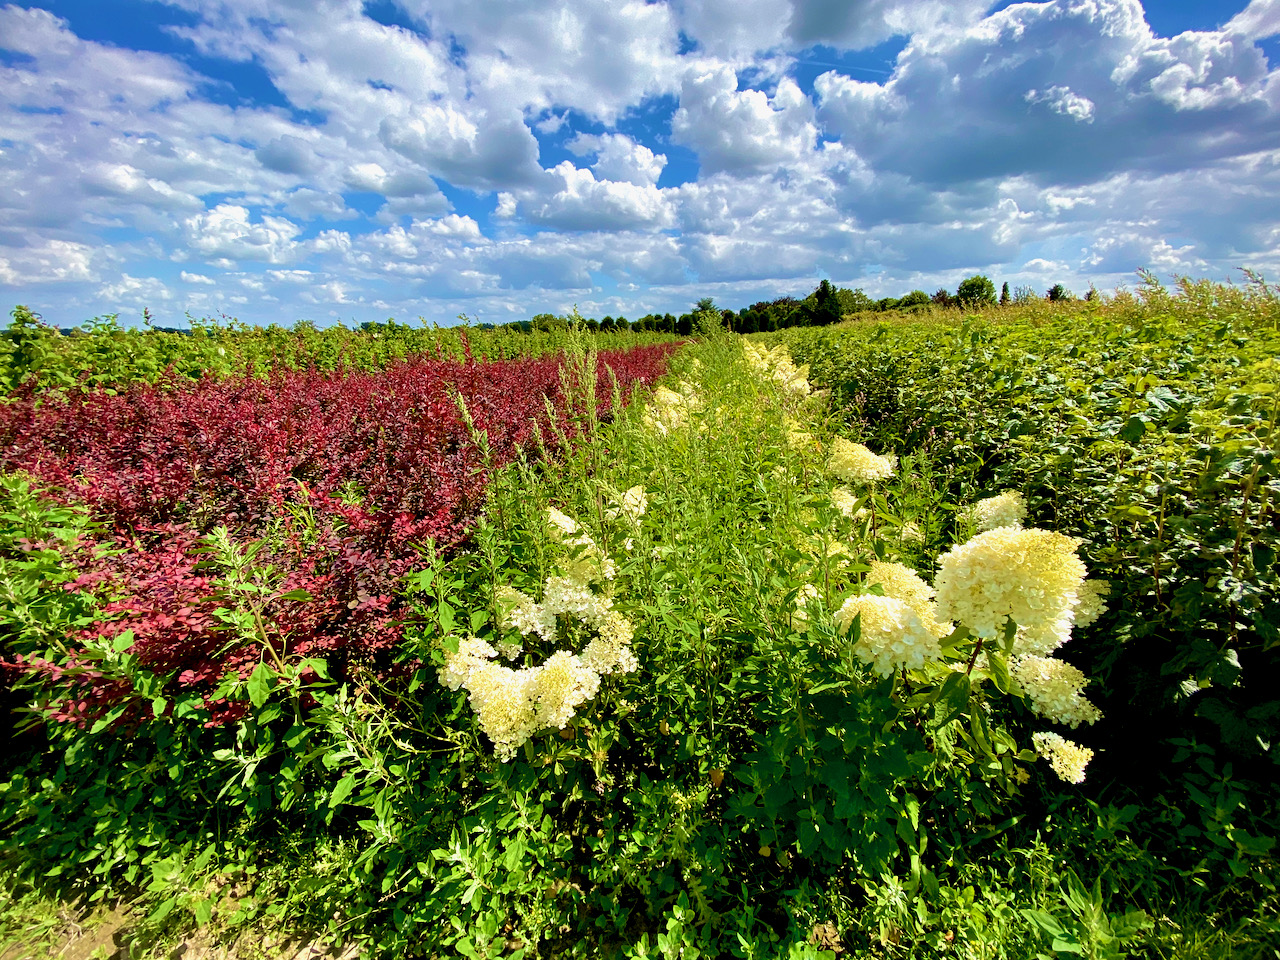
(340, 161)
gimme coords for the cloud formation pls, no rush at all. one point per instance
(433, 157)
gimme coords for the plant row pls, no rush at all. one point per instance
(102, 354)
(1145, 426)
(247, 520)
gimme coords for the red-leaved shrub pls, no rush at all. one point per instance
(345, 475)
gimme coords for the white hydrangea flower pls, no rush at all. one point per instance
(669, 410)
(903, 583)
(519, 611)
(891, 635)
(1067, 759)
(559, 687)
(1008, 509)
(854, 462)
(560, 526)
(1031, 577)
(844, 500)
(800, 617)
(1090, 604)
(797, 438)
(1053, 688)
(910, 532)
(513, 704)
(503, 700)
(777, 367)
(458, 667)
(587, 562)
(632, 504)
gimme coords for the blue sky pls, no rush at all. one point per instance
(340, 161)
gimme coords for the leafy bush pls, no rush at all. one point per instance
(769, 781)
(1146, 427)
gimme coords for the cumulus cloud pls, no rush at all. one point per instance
(733, 129)
(581, 202)
(501, 160)
(50, 261)
(735, 29)
(998, 99)
(618, 157)
(133, 292)
(227, 234)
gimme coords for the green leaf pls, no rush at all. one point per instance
(952, 698)
(260, 683)
(1045, 922)
(342, 790)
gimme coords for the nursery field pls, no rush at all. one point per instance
(927, 636)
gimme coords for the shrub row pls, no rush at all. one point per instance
(328, 487)
(102, 354)
(1146, 426)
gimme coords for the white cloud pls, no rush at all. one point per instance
(581, 202)
(600, 57)
(738, 28)
(618, 157)
(1259, 20)
(227, 233)
(746, 130)
(199, 278)
(133, 292)
(50, 261)
(958, 109)
(1062, 100)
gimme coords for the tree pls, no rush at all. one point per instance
(853, 301)
(823, 307)
(1059, 292)
(1004, 293)
(706, 303)
(943, 298)
(912, 299)
(548, 321)
(976, 291)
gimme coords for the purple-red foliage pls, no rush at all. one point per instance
(382, 461)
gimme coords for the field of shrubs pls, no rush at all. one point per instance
(947, 634)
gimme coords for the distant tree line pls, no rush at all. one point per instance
(827, 304)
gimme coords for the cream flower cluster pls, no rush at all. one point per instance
(846, 501)
(512, 703)
(1067, 759)
(891, 636)
(669, 410)
(910, 532)
(902, 583)
(797, 438)
(777, 367)
(1053, 687)
(800, 618)
(1008, 509)
(1031, 577)
(587, 561)
(631, 504)
(854, 462)
(1090, 604)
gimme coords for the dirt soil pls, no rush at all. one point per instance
(108, 937)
